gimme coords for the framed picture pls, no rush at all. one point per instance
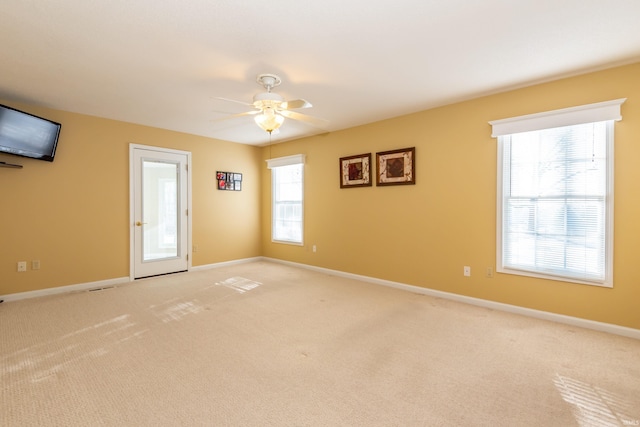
(229, 181)
(355, 171)
(396, 167)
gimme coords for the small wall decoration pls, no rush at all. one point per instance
(396, 167)
(355, 171)
(231, 181)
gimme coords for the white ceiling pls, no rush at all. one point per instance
(162, 63)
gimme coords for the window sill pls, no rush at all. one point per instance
(605, 284)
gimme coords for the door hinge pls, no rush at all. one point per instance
(187, 257)
(186, 212)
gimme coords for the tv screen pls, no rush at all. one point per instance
(26, 135)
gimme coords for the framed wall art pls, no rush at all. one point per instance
(355, 171)
(230, 181)
(396, 167)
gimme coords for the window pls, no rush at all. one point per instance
(555, 194)
(287, 189)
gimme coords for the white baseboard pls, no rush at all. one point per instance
(106, 283)
(538, 314)
(226, 263)
(65, 289)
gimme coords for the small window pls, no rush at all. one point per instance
(287, 179)
(555, 194)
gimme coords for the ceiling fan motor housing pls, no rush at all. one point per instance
(266, 99)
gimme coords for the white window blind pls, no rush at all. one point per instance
(555, 194)
(287, 178)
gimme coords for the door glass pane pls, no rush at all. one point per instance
(159, 210)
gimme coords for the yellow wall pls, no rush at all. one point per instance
(73, 214)
(423, 235)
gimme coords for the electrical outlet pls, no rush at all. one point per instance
(194, 249)
(467, 270)
(22, 266)
(314, 248)
(35, 264)
(489, 272)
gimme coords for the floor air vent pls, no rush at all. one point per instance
(101, 289)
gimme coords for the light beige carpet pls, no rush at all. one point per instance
(263, 344)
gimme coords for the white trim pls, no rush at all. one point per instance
(109, 282)
(502, 182)
(132, 148)
(289, 242)
(610, 203)
(285, 161)
(66, 289)
(598, 112)
(225, 264)
(538, 314)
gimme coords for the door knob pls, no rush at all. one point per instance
(139, 224)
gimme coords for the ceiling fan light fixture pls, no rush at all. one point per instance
(270, 109)
(268, 120)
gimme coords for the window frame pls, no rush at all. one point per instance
(298, 159)
(608, 111)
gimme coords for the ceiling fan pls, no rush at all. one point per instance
(270, 109)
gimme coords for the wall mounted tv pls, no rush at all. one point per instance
(26, 135)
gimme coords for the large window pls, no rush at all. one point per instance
(555, 194)
(287, 179)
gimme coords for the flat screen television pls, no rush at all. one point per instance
(26, 135)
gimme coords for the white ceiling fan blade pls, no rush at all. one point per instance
(295, 104)
(313, 121)
(233, 116)
(233, 100)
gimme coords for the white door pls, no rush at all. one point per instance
(160, 203)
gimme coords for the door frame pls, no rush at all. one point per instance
(132, 219)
